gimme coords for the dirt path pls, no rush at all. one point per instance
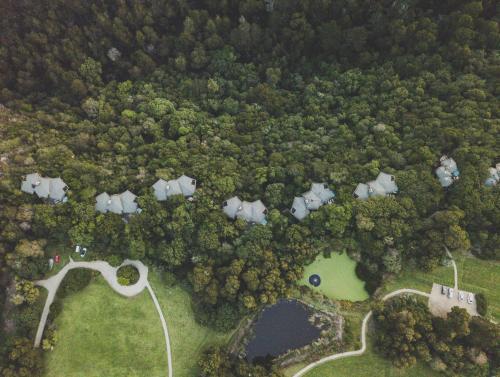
(109, 274)
(363, 334)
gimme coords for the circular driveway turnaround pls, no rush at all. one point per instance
(108, 272)
(363, 335)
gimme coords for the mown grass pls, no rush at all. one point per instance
(369, 364)
(474, 275)
(188, 338)
(101, 333)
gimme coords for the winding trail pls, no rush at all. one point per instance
(363, 334)
(108, 272)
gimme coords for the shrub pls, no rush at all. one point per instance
(128, 275)
(74, 281)
(481, 304)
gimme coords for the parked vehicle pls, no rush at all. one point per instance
(77, 249)
(461, 296)
(450, 293)
(83, 252)
(470, 298)
(444, 289)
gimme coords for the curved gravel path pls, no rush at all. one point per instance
(363, 334)
(108, 272)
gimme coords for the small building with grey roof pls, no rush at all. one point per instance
(252, 212)
(183, 185)
(121, 204)
(447, 172)
(384, 184)
(494, 176)
(52, 189)
(311, 200)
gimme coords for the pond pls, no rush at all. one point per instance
(281, 327)
(337, 278)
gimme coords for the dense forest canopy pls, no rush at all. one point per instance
(256, 99)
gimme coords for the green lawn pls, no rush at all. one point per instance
(368, 365)
(188, 338)
(338, 278)
(101, 333)
(474, 275)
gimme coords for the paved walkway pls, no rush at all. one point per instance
(109, 274)
(363, 334)
(455, 270)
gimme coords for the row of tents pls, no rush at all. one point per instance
(54, 189)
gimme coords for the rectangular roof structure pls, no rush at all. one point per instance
(183, 185)
(299, 209)
(231, 206)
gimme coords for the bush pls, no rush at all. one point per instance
(481, 304)
(74, 281)
(128, 275)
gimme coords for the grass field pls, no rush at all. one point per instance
(338, 278)
(188, 338)
(474, 275)
(101, 333)
(368, 365)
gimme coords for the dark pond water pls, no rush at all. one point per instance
(281, 327)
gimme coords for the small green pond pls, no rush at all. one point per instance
(338, 278)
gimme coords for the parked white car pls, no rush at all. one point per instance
(83, 252)
(450, 293)
(461, 296)
(470, 298)
(77, 249)
(444, 289)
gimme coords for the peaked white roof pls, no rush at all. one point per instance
(322, 191)
(312, 201)
(102, 202)
(254, 212)
(299, 209)
(259, 212)
(361, 191)
(444, 176)
(183, 185)
(160, 190)
(388, 182)
(123, 203)
(187, 184)
(231, 206)
(44, 187)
